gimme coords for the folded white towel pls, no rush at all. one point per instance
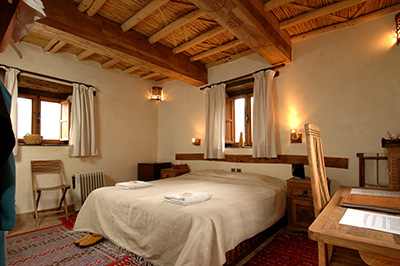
(132, 184)
(187, 197)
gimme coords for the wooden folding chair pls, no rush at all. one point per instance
(327, 254)
(46, 170)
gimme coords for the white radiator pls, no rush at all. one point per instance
(84, 183)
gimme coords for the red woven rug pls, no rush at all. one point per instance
(70, 222)
(287, 249)
(55, 246)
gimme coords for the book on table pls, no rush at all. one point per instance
(371, 199)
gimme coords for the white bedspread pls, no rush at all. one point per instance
(141, 221)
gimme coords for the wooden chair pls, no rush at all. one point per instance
(48, 169)
(327, 255)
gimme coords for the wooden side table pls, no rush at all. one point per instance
(393, 153)
(300, 204)
(151, 171)
(172, 172)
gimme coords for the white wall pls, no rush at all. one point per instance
(126, 123)
(345, 81)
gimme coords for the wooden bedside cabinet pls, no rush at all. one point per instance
(300, 204)
(172, 172)
(151, 171)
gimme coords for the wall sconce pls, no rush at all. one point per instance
(157, 94)
(397, 19)
(295, 137)
(196, 142)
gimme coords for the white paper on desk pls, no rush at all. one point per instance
(371, 220)
(375, 192)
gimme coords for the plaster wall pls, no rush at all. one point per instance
(345, 81)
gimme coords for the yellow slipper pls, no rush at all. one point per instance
(91, 240)
(77, 242)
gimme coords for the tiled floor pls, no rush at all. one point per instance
(27, 223)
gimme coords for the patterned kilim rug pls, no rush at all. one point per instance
(54, 246)
(287, 249)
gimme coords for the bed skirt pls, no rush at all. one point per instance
(235, 255)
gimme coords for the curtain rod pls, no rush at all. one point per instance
(230, 80)
(46, 76)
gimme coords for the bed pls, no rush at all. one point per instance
(163, 233)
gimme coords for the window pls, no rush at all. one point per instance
(43, 109)
(239, 120)
(47, 117)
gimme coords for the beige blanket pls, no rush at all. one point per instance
(141, 221)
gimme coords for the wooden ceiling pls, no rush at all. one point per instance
(162, 40)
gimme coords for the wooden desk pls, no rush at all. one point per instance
(327, 230)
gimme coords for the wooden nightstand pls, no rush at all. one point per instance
(172, 172)
(151, 171)
(300, 204)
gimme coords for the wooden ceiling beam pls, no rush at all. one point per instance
(247, 20)
(216, 50)
(272, 4)
(95, 7)
(230, 58)
(130, 69)
(307, 8)
(361, 9)
(60, 44)
(176, 24)
(85, 5)
(149, 75)
(104, 37)
(110, 63)
(199, 39)
(142, 14)
(83, 55)
(319, 13)
(50, 45)
(348, 23)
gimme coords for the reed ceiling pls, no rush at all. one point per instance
(162, 40)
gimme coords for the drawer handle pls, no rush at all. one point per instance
(304, 193)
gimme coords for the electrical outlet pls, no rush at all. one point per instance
(238, 170)
(232, 170)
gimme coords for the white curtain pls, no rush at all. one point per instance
(215, 122)
(264, 129)
(82, 140)
(11, 84)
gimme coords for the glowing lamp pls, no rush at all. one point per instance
(295, 137)
(196, 142)
(157, 94)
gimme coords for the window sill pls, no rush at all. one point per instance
(238, 150)
(44, 144)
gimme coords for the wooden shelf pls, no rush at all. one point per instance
(336, 162)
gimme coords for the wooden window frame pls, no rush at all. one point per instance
(36, 100)
(30, 86)
(230, 138)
